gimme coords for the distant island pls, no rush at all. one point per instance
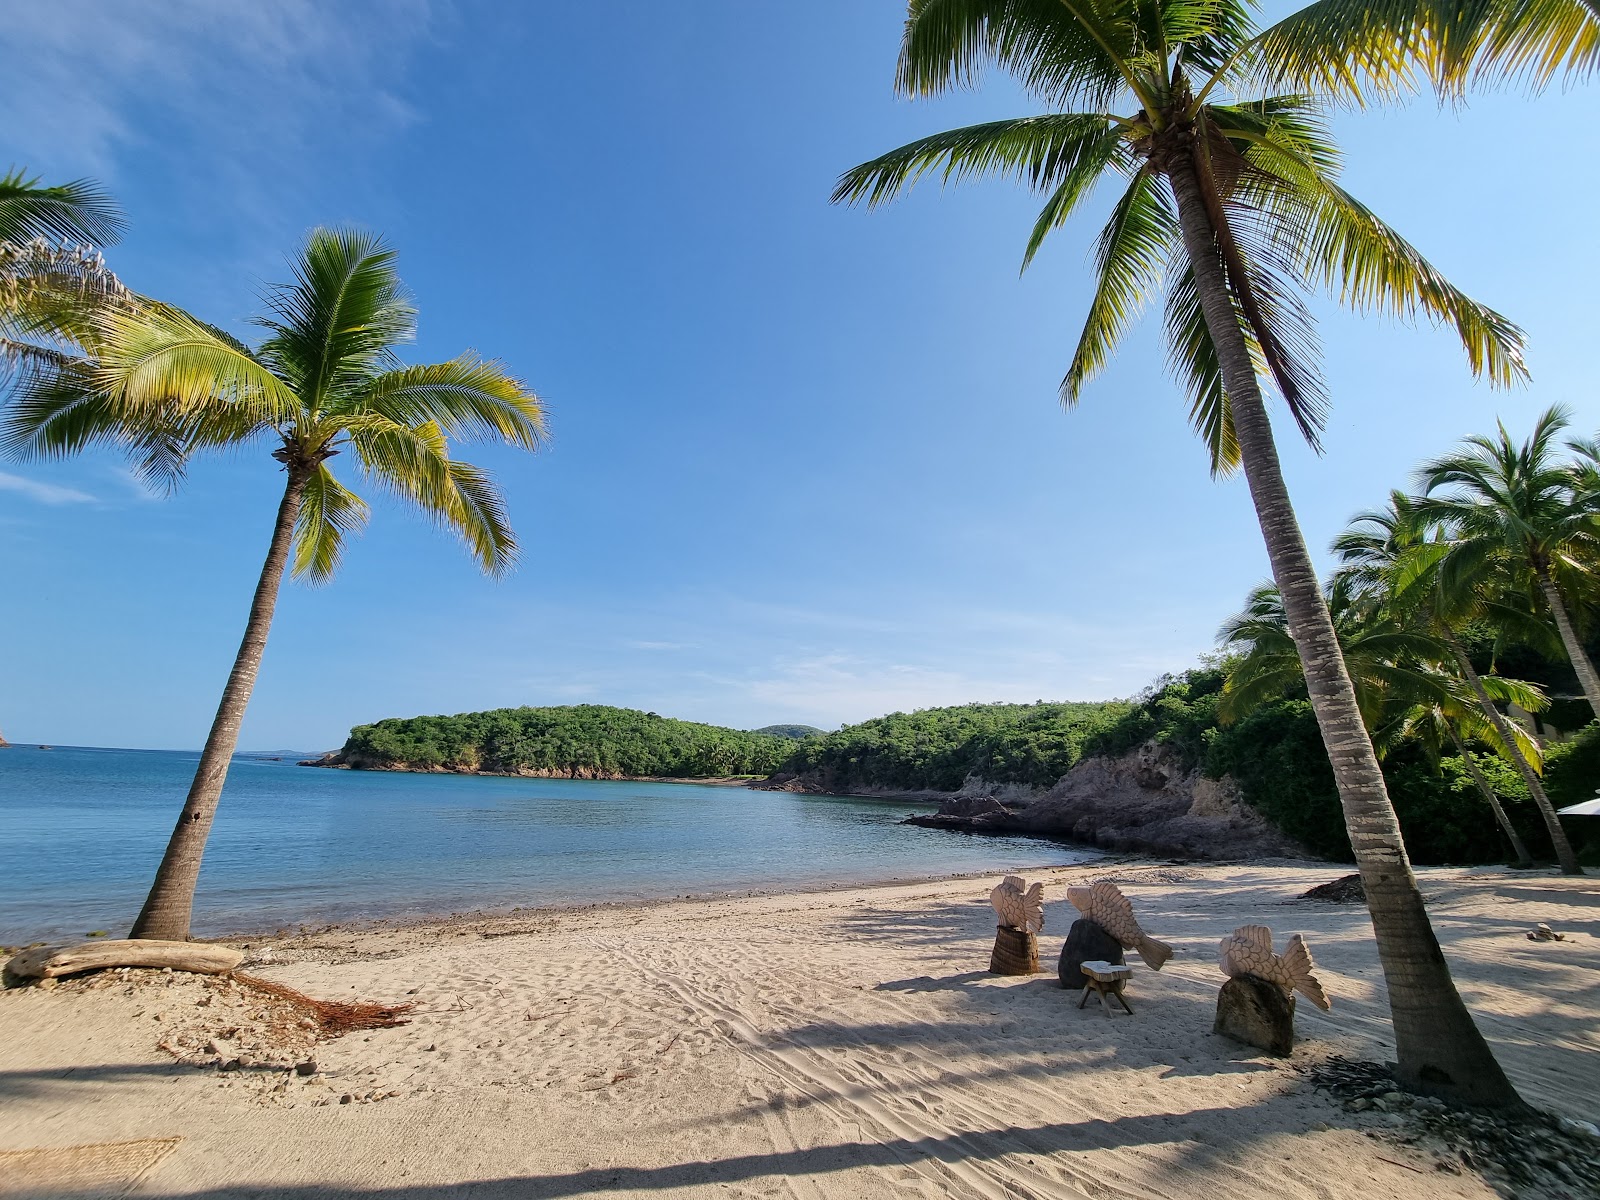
(579, 741)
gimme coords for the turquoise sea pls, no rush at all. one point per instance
(82, 829)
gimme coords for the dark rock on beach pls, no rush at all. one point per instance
(1258, 1013)
(1086, 942)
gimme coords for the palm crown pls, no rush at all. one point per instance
(325, 379)
(1179, 72)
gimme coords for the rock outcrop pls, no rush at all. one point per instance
(1143, 802)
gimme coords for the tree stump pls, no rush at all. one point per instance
(1016, 952)
(1258, 1013)
(1086, 942)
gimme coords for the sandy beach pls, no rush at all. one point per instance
(849, 1043)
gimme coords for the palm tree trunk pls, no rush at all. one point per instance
(1437, 1046)
(167, 909)
(1581, 662)
(1558, 836)
(1518, 846)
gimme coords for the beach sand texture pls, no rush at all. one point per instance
(840, 1044)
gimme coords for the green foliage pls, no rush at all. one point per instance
(937, 748)
(1572, 769)
(575, 738)
(794, 732)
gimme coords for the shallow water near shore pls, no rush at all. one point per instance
(82, 829)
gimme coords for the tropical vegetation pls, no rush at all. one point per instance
(572, 740)
(326, 381)
(1232, 208)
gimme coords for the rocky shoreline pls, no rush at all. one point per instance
(335, 760)
(1144, 802)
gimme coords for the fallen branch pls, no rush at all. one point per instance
(48, 962)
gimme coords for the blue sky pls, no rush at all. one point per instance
(808, 462)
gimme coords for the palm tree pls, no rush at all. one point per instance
(1234, 199)
(324, 380)
(1402, 692)
(52, 278)
(1519, 503)
(1395, 554)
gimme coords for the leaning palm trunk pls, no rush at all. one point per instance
(1581, 662)
(167, 909)
(1558, 836)
(1518, 846)
(1437, 1044)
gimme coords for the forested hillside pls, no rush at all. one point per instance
(584, 741)
(937, 748)
(1275, 753)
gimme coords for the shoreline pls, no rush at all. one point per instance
(845, 1043)
(437, 922)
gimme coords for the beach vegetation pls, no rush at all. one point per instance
(1232, 209)
(325, 382)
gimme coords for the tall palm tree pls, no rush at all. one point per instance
(326, 379)
(52, 276)
(1234, 198)
(1403, 693)
(1501, 500)
(1396, 554)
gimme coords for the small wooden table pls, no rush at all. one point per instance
(1106, 979)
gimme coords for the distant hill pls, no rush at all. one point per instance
(579, 741)
(794, 732)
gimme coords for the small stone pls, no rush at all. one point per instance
(47, 984)
(1360, 1104)
(305, 1068)
(346, 1098)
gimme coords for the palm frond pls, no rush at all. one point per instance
(80, 211)
(341, 319)
(466, 397)
(1192, 357)
(1061, 54)
(1059, 151)
(329, 513)
(1130, 259)
(414, 464)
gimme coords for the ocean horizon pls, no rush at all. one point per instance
(82, 830)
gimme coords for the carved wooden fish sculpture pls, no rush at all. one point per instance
(1248, 951)
(1018, 905)
(1104, 904)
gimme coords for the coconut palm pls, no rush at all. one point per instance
(1233, 199)
(326, 380)
(1396, 554)
(52, 277)
(1401, 688)
(1504, 503)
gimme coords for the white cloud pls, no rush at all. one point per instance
(43, 493)
(233, 95)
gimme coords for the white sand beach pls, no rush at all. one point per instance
(843, 1044)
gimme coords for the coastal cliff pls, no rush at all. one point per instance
(1144, 801)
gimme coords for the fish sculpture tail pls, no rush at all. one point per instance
(1297, 968)
(1154, 953)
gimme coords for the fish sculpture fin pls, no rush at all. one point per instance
(1298, 966)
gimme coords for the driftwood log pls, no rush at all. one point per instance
(47, 962)
(1016, 952)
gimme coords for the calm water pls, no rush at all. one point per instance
(81, 832)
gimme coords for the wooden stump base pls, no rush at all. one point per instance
(1258, 1013)
(1016, 952)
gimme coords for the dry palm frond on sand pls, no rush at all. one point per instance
(333, 1017)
